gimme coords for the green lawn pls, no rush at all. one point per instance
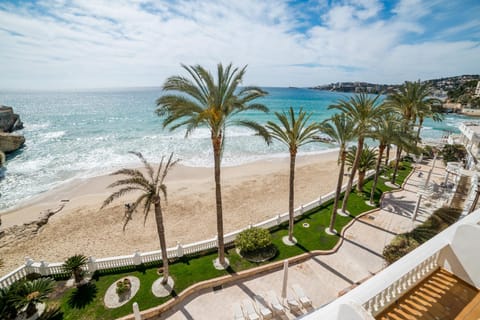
(186, 271)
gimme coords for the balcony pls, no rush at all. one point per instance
(450, 258)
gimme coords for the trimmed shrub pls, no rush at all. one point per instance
(253, 239)
(255, 245)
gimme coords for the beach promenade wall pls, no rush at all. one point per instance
(138, 258)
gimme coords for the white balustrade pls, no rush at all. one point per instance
(138, 258)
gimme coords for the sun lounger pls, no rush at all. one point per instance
(249, 310)
(292, 303)
(262, 307)
(237, 312)
(277, 307)
(304, 299)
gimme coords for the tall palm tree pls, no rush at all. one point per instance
(212, 103)
(74, 264)
(151, 187)
(388, 130)
(366, 162)
(411, 101)
(294, 131)
(364, 111)
(341, 129)
(426, 111)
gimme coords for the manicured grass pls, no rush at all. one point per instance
(190, 270)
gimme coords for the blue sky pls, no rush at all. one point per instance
(62, 44)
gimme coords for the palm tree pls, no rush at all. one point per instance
(202, 101)
(74, 264)
(32, 292)
(426, 111)
(293, 131)
(411, 101)
(341, 129)
(151, 187)
(366, 162)
(364, 111)
(387, 131)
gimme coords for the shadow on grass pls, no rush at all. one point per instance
(82, 296)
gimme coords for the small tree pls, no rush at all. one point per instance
(73, 265)
(365, 163)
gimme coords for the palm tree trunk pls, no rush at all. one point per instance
(291, 196)
(338, 190)
(161, 237)
(381, 148)
(361, 179)
(217, 149)
(387, 156)
(352, 174)
(397, 163)
(420, 124)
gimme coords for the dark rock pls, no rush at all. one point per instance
(9, 121)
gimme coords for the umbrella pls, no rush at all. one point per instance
(285, 279)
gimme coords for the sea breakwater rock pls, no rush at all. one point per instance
(9, 121)
(10, 142)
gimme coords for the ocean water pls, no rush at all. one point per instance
(81, 134)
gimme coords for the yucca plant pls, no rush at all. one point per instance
(73, 265)
(30, 293)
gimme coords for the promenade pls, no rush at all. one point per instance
(324, 277)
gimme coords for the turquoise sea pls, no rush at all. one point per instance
(79, 134)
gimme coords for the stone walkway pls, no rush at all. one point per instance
(324, 277)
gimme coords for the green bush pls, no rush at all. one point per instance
(453, 153)
(253, 239)
(400, 246)
(406, 242)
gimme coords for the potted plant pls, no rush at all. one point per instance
(123, 287)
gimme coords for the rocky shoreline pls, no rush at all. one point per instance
(9, 122)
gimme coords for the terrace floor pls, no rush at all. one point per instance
(442, 295)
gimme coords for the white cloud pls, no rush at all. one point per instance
(82, 43)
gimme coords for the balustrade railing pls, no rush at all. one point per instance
(384, 298)
(45, 269)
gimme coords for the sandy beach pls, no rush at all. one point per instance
(251, 193)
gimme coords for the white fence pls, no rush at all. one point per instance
(44, 268)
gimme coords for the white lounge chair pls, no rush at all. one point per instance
(249, 310)
(304, 299)
(277, 307)
(262, 307)
(237, 312)
(293, 303)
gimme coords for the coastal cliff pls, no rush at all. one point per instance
(10, 121)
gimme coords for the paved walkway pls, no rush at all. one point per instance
(324, 277)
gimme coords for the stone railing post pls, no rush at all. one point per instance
(137, 258)
(43, 268)
(28, 264)
(179, 250)
(91, 265)
(279, 220)
(301, 209)
(320, 201)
